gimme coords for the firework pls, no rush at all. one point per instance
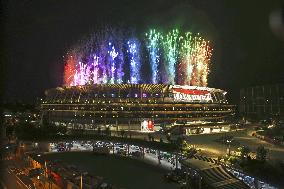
(69, 70)
(112, 63)
(153, 43)
(186, 53)
(174, 58)
(95, 65)
(171, 52)
(133, 51)
(195, 56)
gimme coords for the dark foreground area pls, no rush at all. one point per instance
(121, 171)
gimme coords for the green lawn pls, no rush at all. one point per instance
(120, 171)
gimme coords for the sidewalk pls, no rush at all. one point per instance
(152, 159)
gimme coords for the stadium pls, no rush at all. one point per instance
(129, 83)
(143, 107)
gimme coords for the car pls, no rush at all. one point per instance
(121, 152)
(61, 149)
(119, 146)
(99, 144)
(107, 144)
(137, 154)
(133, 147)
(101, 150)
(152, 151)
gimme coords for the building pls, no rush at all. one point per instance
(145, 107)
(262, 102)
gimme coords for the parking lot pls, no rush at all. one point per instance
(164, 159)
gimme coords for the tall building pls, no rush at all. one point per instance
(261, 102)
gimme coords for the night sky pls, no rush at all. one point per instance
(37, 33)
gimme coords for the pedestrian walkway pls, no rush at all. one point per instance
(152, 159)
(214, 175)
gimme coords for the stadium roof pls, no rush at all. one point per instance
(150, 88)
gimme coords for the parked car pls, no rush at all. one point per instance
(136, 154)
(101, 150)
(121, 152)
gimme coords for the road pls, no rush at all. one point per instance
(210, 147)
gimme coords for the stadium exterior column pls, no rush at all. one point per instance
(116, 124)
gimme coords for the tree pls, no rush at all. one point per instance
(244, 150)
(182, 145)
(168, 136)
(261, 153)
(232, 159)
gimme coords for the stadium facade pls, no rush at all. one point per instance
(145, 107)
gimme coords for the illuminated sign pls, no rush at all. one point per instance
(191, 94)
(147, 125)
